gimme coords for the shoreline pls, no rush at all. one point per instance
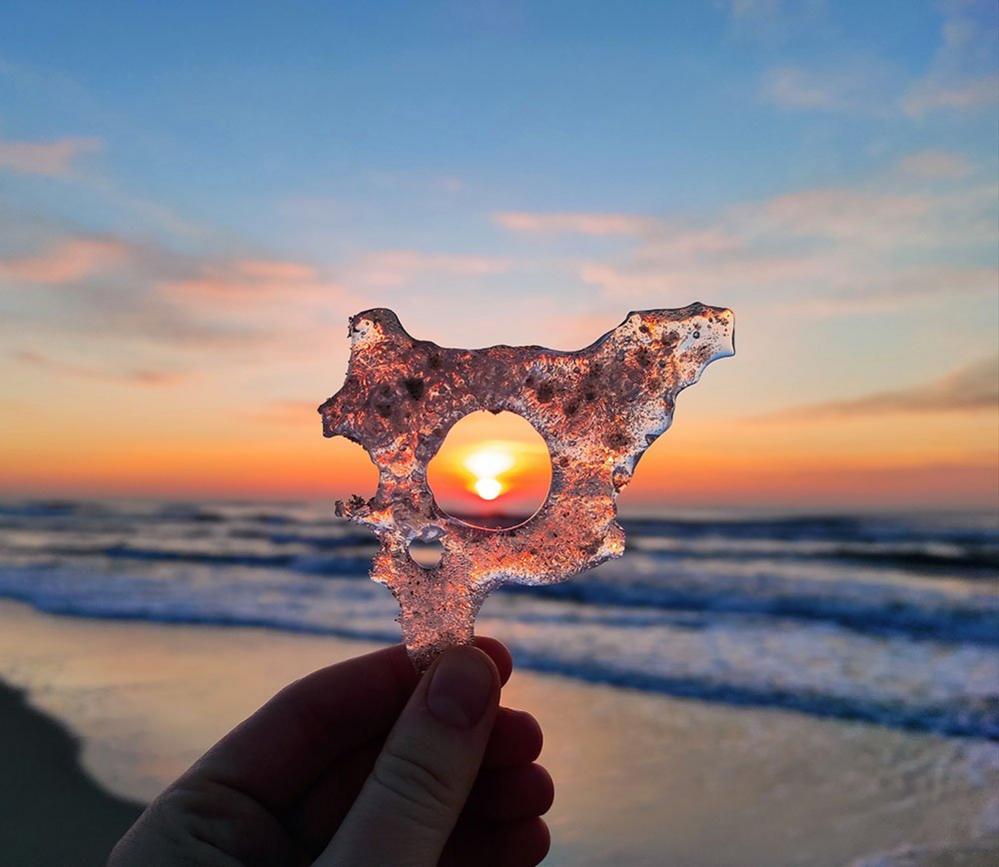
(54, 812)
(641, 779)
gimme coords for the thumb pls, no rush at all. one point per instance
(408, 807)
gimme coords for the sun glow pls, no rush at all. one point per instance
(486, 464)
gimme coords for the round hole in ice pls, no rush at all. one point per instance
(492, 471)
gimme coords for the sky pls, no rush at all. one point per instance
(195, 196)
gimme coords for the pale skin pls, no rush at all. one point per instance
(360, 764)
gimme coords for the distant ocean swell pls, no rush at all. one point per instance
(919, 611)
(888, 619)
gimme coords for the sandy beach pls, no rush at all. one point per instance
(642, 779)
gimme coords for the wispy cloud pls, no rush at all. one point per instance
(935, 165)
(134, 376)
(65, 261)
(390, 269)
(876, 213)
(771, 20)
(795, 88)
(881, 290)
(250, 281)
(52, 158)
(60, 158)
(843, 213)
(573, 223)
(755, 8)
(936, 95)
(861, 85)
(962, 75)
(419, 181)
(127, 293)
(874, 92)
(974, 387)
(140, 211)
(824, 251)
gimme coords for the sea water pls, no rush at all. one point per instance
(890, 618)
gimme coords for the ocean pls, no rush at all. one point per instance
(888, 619)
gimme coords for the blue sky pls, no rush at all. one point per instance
(502, 172)
(224, 109)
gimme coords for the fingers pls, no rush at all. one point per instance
(518, 844)
(227, 802)
(515, 740)
(315, 820)
(276, 754)
(204, 824)
(410, 803)
(503, 795)
(497, 652)
(507, 794)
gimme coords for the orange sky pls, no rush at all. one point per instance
(83, 444)
(181, 245)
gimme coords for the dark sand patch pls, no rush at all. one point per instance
(52, 812)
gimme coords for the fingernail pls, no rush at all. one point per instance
(461, 687)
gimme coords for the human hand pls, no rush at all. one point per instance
(362, 764)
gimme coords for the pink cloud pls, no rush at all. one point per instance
(770, 20)
(573, 223)
(844, 213)
(820, 252)
(390, 269)
(271, 269)
(878, 290)
(134, 376)
(934, 165)
(755, 8)
(962, 76)
(959, 95)
(790, 87)
(67, 261)
(52, 158)
(973, 387)
(672, 245)
(635, 280)
(249, 280)
(855, 85)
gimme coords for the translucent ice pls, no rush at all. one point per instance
(598, 410)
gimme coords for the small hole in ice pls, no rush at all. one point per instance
(426, 554)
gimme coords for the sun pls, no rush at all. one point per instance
(486, 463)
(488, 489)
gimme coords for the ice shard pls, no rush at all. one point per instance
(598, 410)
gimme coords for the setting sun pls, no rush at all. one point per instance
(485, 464)
(488, 488)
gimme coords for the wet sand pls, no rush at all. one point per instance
(642, 779)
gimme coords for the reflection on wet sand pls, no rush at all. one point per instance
(642, 779)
